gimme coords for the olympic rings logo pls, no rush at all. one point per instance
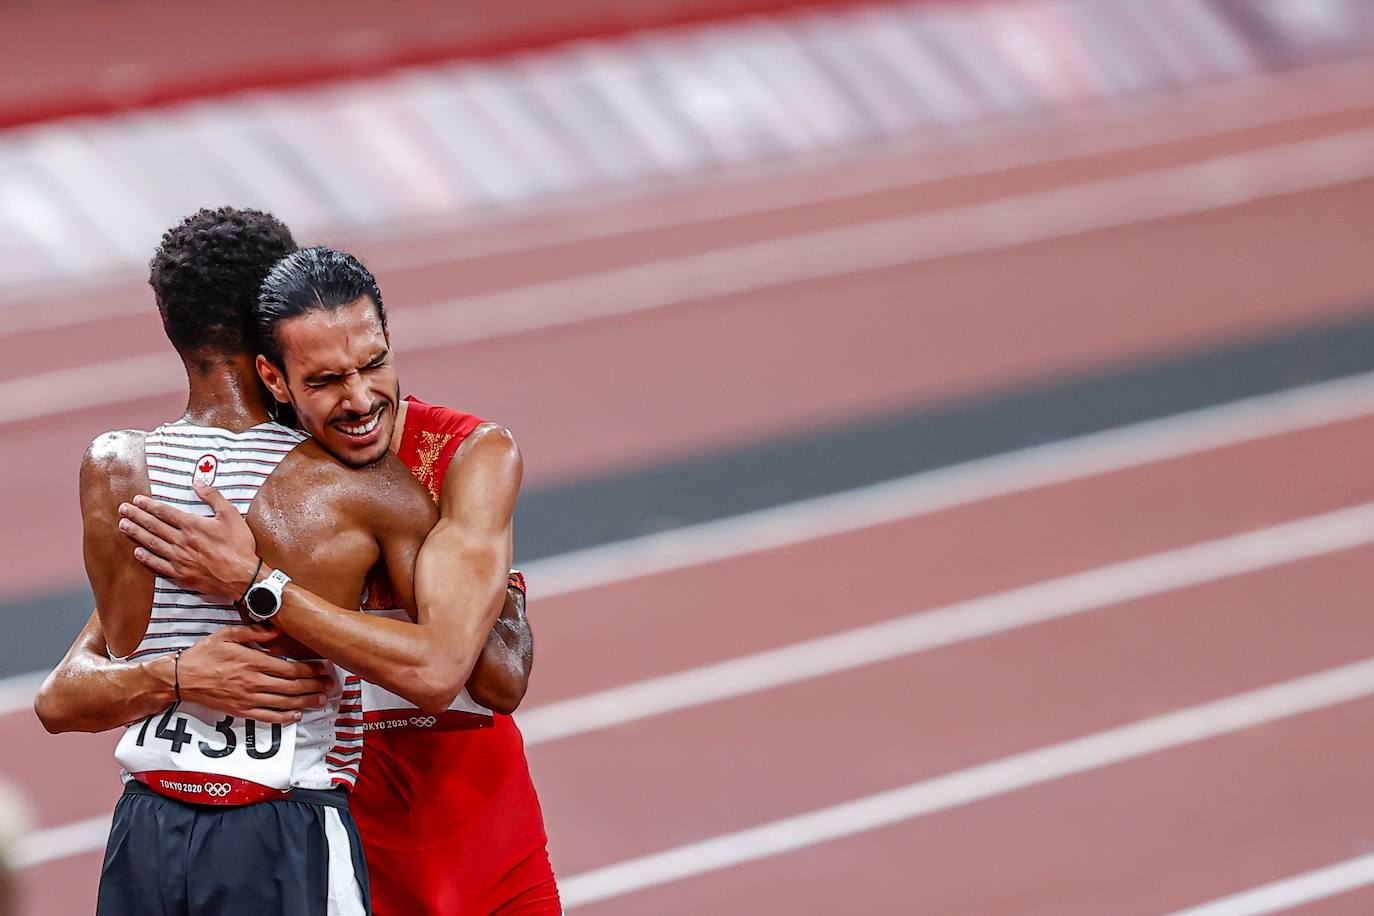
(423, 721)
(217, 789)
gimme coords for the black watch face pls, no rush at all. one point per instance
(261, 601)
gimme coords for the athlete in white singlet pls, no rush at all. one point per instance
(226, 815)
(194, 753)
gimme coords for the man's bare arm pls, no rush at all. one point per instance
(459, 583)
(112, 472)
(464, 566)
(458, 580)
(502, 673)
(89, 692)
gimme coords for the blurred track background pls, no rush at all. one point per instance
(947, 424)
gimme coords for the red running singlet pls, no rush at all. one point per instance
(449, 818)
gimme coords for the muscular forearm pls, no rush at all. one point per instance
(88, 692)
(95, 695)
(459, 577)
(461, 580)
(394, 654)
(502, 673)
(426, 662)
(227, 673)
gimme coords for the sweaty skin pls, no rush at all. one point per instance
(338, 376)
(378, 512)
(90, 692)
(465, 558)
(502, 673)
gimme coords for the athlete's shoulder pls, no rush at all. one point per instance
(389, 471)
(117, 446)
(385, 487)
(377, 494)
(113, 469)
(392, 497)
(493, 439)
(488, 462)
(314, 467)
(115, 453)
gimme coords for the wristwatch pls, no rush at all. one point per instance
(264, 598)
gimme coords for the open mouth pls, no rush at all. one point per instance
(363, 432)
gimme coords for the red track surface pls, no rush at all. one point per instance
(1353, 903)
(1161, 831)
(1140, 838)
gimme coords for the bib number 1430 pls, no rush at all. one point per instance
(179, 736)
(179, 750)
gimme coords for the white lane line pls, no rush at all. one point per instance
(919, 494)
(128, 379)
(1009, 774)
(1278, 896)
(17, 691)
(908, 497)
(60, 842)
(917, 632)
(922, 631)
(1090, 206)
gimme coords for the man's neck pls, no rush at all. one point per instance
(225, 393)
(398, 426)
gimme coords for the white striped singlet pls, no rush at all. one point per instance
(328, 741)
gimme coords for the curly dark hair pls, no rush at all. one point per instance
(206, 275)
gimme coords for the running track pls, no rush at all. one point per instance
(1137, 688)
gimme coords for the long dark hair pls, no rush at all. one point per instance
(310, 280)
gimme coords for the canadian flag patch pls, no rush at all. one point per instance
(206, 468)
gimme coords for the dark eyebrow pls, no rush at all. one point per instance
(323, 377)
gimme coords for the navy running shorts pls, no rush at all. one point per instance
(298, 856)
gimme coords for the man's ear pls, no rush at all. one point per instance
(273, 378)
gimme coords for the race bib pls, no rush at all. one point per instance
(190, 753)
(384, 711)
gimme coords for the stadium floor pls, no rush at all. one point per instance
(1119, 674)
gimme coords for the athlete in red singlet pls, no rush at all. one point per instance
(491, 846)
(448, 813)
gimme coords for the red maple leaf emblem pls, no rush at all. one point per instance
(206, 467)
